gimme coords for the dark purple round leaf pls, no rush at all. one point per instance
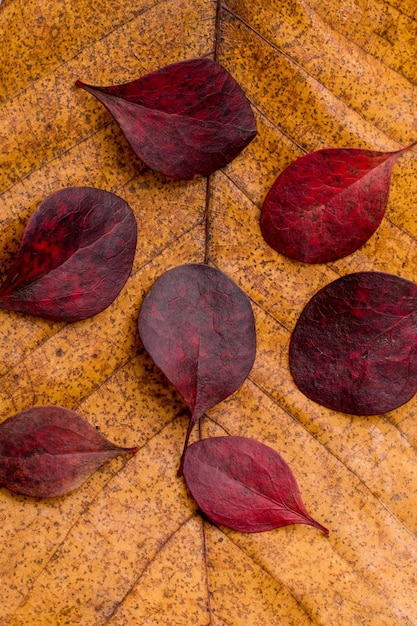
(243, 484)
(48, 451)
(328, 203)
(184, 120)
(75, 256)
(354, 348)
(198, 327)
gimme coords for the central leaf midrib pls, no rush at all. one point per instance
(322, 206)
(253, 490)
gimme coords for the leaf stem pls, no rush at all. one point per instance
(217, 29)
(191, 425)
(217, 37)
(207, 221)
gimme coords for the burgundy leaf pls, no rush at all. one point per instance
(354, 348)
(243, 484)
(184, 120)
(75, 256)
(198, 327)
(48, 451)
(328, 203)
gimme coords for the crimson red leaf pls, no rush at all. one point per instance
(243, 484)
(75, 256)
(184, 120)
(354, 348)
(198, 327)
(328, 203)
(48, 451)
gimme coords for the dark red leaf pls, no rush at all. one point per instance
(184, 120)
(198, 327)
(328, 203)
(243, 484)
(48, 451)
(75, 256)
(354, 348)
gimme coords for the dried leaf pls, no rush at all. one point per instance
(135, 552)
(328, 203)
(48, 451)
(244, 484)
(354, 348)
(184, 120)
(75, 256)
(198, 327)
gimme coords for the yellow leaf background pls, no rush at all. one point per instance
(129, 547)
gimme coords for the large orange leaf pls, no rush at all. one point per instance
(129, 546)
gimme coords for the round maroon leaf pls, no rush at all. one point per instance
(75, 256)
(354, 348)
(328, 203)
(243, 484)
(184, 120)
(198, 327)
(48, 451)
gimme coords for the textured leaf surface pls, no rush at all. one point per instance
(75, 257)
(243, 484)
(198, 327)
(184, 120)
(48, 451)
(129, 545)
(354, 348)
(328, 203)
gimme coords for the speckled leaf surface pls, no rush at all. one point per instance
(129, 545)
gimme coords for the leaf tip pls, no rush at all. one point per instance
(319, 526)
(180, 471)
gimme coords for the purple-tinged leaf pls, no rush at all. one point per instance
(75, 256)
(48, 451)
(198, 327)
(244, 484)
(184, 120)
(354, 348)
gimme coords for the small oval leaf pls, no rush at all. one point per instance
(48, 451)
(244, 484)
(184, 120)
(198, 327)
(328, 203)
(354, 347)
(75, 256)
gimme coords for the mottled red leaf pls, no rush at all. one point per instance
(48, 451)
(198, 327)
(354, 348)
(244, 484)
(328, 203)
(184, 120)
(75, 256)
